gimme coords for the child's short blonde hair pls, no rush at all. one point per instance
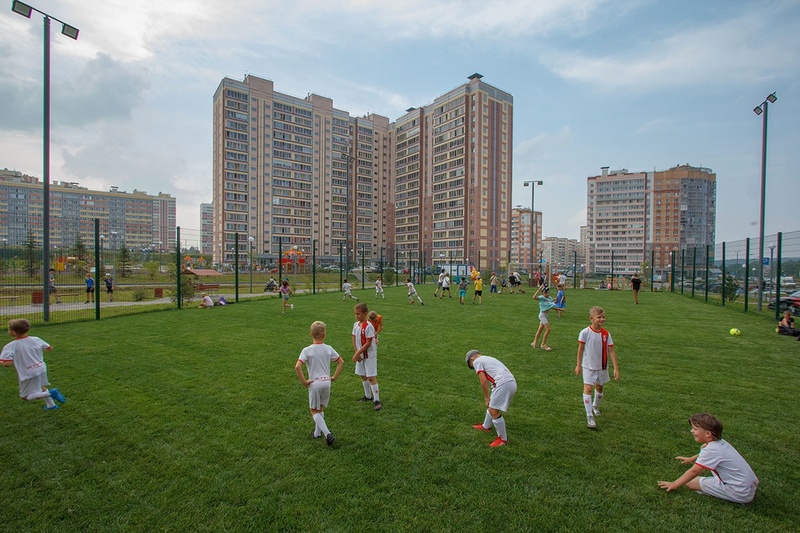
(596, 310)
(20, 326)
(318, 329)
(372, 315)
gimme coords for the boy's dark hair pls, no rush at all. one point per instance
(362, 307)
(707, 422)
(20, 326)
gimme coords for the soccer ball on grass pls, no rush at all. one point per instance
(735, 332)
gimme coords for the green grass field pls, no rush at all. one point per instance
(194, 420)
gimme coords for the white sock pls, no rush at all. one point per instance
(375, 395)
(37, 395)
(587, 404)
(500, 426)
(367, 389)
(597, 397)
(322, 427)
(487, 421)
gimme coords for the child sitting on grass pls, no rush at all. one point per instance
(732, 478)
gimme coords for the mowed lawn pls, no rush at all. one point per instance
(194, 420)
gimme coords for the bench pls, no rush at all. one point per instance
(208, 287)
(12, 298)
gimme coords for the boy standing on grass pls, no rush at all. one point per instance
(317, 359)
(379, 288)
(347, 287)
(545, 305)
(366, 356)
(732, 479)
(462, 289)
(27, 355)
(594, 347)
(503, 386)
(478, 290)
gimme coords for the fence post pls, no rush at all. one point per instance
(652, 268)
(236, 266)
(778, 278)
(178, 265)
(746, 273)
(96, 269)
(724, 279)
(314, 266)
(708, 265)
(672, 273)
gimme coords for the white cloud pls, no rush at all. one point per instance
(732, 50)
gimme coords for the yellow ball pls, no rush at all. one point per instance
(735, 332)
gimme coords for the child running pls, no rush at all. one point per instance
(27, 355)
(732, 478)
(347, 287)
(317, 359)
(366, 356)
(446, 286)
(503, 387)
(412, 292)
(545, 305)
(379, 288)
(286, 292)
(594, 347)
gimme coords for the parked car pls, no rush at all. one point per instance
(789, 302)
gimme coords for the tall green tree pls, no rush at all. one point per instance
(32, 255)
(125, 262)
(80, 252)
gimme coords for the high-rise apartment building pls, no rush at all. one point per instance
(291, 172)
(631, 214)
(136, 220)
(521, 242)
(683, 204)
(434, 185)
(206, 228)
(560, 253)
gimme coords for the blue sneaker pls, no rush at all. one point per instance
(57, 396)
(50, 408)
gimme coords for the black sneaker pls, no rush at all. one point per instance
(378, 406)
(329, 438)
(364, 399)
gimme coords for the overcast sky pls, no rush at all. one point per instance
(636, 84)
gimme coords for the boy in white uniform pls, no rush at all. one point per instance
(347, 287)
(26, 354)
(732, 478)
(412, 292)
(503, 386)
(379, 288)
(594, 347)
(317, 359)
(366, 356)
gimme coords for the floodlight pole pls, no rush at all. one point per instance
(25, 10)
(763, 108)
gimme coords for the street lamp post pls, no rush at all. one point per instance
(758, 110)
(25, 10)
(350, 160)
(250, 240)
(532, 185)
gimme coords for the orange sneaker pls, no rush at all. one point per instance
(498, 442)
(480, 427)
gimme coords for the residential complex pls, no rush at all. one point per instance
(300, 174)
(521, 242)
(206, 228)
(136, 220)
(629, 215)
(561, 253)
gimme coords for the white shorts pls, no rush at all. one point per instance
(34, 384)
(319, 394)
(711, 486)
(367, 367)
(501, 396)
(543, 317)
(595, 377)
